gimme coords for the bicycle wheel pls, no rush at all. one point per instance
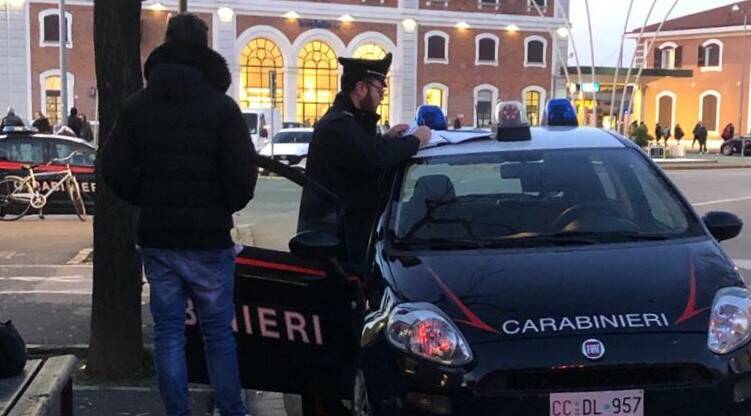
(74, 191)
(15, 198)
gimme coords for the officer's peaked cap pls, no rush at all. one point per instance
(362, 69)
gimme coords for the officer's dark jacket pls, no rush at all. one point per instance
(181, 151)
(348, 156)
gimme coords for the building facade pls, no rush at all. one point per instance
(714, 46)
(463, 55)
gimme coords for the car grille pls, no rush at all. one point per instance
(572, 379)
(289, 159)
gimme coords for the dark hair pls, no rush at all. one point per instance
(73, 111)
(188, 28)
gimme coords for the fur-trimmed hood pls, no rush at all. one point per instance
(180, 70)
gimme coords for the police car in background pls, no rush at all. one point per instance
(290, 147)
(23, 146)
(551, 271)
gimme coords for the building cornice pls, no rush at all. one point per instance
(361, 13)
(710, 31)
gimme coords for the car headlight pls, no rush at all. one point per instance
(730, 321)
(424, 330)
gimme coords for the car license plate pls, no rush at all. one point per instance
(599, 403)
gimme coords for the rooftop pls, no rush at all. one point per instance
(713, 18)
(543, 138)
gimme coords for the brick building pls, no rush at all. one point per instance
(463, 55)
(713, 46)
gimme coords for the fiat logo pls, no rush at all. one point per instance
(593, 349)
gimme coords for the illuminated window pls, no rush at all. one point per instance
(259, 59)
(317, 82)
(436, 94)
(532, 104)
(376, 51)
(53, 100)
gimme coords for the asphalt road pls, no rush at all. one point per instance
(49, 300)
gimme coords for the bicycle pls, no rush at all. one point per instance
(19, 194)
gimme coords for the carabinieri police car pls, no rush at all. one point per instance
(551, 271)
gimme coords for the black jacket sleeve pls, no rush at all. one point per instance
(357, 151)
(237, 160)
(117, 162)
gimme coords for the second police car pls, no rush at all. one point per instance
(546, 271)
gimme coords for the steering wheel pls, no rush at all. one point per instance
(586, 209)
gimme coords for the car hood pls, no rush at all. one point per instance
(289, 149)
(619, 288)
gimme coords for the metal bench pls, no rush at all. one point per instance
(44, 387)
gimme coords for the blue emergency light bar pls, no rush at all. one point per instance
(431, 116)
(560, 112)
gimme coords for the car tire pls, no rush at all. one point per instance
(727, 149)
(360, 400)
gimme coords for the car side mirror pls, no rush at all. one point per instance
(315, 245)
(723, 225)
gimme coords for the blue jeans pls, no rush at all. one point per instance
(208, 278)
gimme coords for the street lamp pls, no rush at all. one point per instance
(738, 8)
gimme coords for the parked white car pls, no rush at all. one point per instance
(290, 146)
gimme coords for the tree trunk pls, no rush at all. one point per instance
(116, 347)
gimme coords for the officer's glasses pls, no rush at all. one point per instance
(380, 89)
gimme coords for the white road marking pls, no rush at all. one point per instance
(63, 279)
(45, 292)
(7, 255)
(721, 201)
(743, 263)
(81, 256)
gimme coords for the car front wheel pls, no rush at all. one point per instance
(727, 149)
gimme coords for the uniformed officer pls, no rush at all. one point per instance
(348, 156)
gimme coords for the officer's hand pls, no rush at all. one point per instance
(423, 134)
(397, 131)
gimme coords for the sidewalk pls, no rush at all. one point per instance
(712, 160)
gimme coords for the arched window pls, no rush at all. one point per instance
(666, 108)
(317, 82)
(668, 56)
(436, 47)
(259, 59)
(534, 97)
(710, 55)
(486, 49)
(50, 87)
(49, 28)
(484, 108)
(709, 110)
(436, 94)
(535, 51)
(376, 51)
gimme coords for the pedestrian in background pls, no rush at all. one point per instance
(41, 123)
(11, 120)
(632, 129)
(728, 132)
(658, 132)
(701, 135)
(74, 122)
(679, 133)
(186, 201)
(697, 127)
(86, 132)
(457, 123)
(666, 134)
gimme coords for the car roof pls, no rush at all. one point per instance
(542, 138)
(47, 136)
(297, 129)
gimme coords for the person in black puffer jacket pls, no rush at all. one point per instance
(182, 153)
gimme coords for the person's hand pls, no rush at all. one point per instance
(423, 135)
(397, 131)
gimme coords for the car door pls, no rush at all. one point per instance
(81, 164)
(294, 317)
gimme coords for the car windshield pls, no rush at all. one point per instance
(251, 120)
(537, 198)
(293, 137)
